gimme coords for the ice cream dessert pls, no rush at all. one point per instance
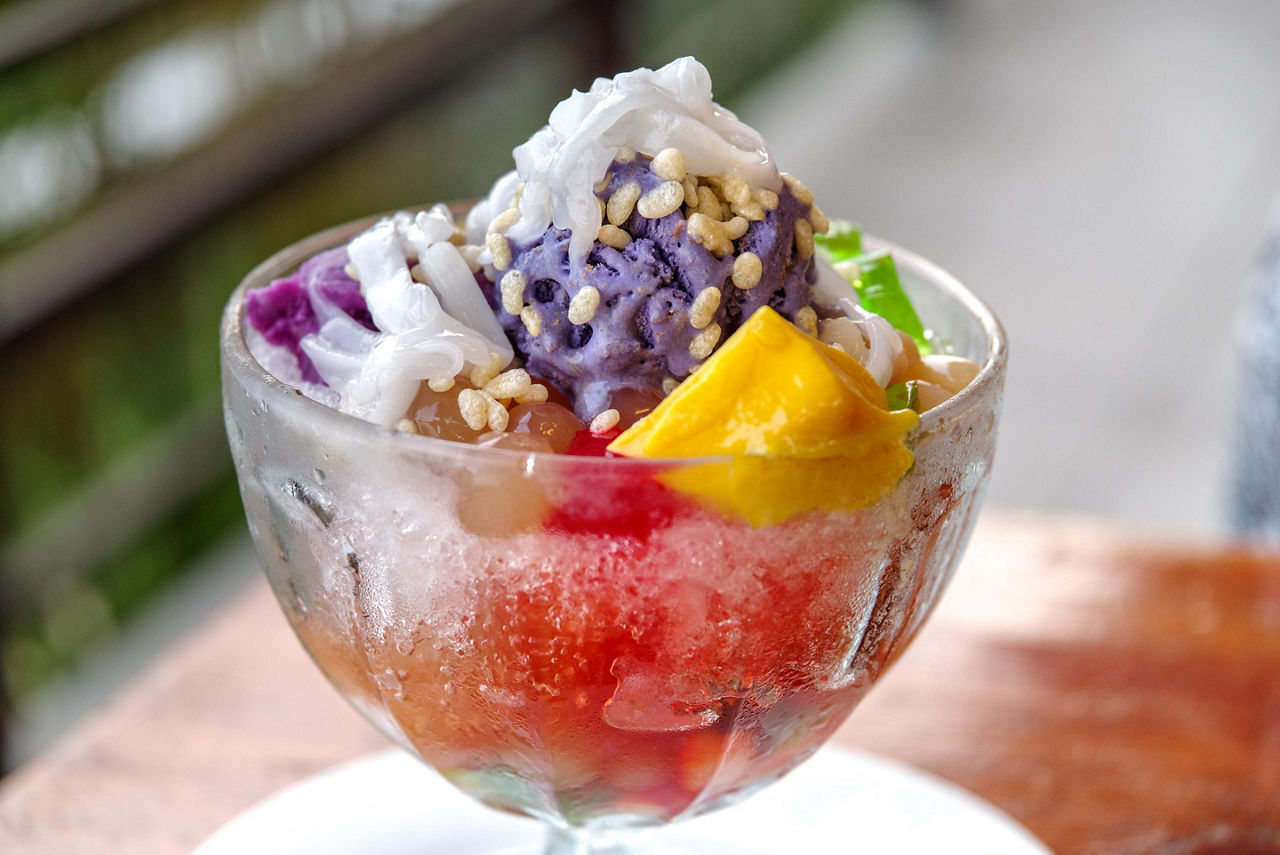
(694, 497)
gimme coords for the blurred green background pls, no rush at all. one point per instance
(152, 151)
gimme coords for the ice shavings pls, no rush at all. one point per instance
(425, 330)
(642, 110)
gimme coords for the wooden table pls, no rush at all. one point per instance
(1115, 694)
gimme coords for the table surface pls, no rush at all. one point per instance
(1114, 693)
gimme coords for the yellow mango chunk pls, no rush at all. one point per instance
(807, 426)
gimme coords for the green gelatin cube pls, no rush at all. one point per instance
(902, 396)
(842, 242)
(877, 284)
(881, 292)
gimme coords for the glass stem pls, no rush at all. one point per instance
(582, 841)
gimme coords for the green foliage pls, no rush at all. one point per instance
(741, 42)
(49, 640)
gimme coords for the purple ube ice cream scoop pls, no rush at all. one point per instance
(642, 331)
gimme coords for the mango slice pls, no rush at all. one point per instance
(807, 427)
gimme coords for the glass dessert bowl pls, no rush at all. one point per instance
(583, 640)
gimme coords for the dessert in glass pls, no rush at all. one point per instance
(611, 495)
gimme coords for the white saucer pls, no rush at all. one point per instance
(840, 802)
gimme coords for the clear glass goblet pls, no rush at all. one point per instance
(567, 638)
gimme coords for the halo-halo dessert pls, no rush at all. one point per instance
(611, 496)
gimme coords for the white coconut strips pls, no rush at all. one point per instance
(428, 330)
(643, 110)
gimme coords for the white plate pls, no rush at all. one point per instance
(839, 802)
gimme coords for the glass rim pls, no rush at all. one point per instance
(237, 358)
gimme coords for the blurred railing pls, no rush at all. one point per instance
(152, 151)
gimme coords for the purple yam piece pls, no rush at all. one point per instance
(326, 275)
(282, 313)
(285, 311)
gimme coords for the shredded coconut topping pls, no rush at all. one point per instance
(867, 337)
(430, 329)
(643, 111)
